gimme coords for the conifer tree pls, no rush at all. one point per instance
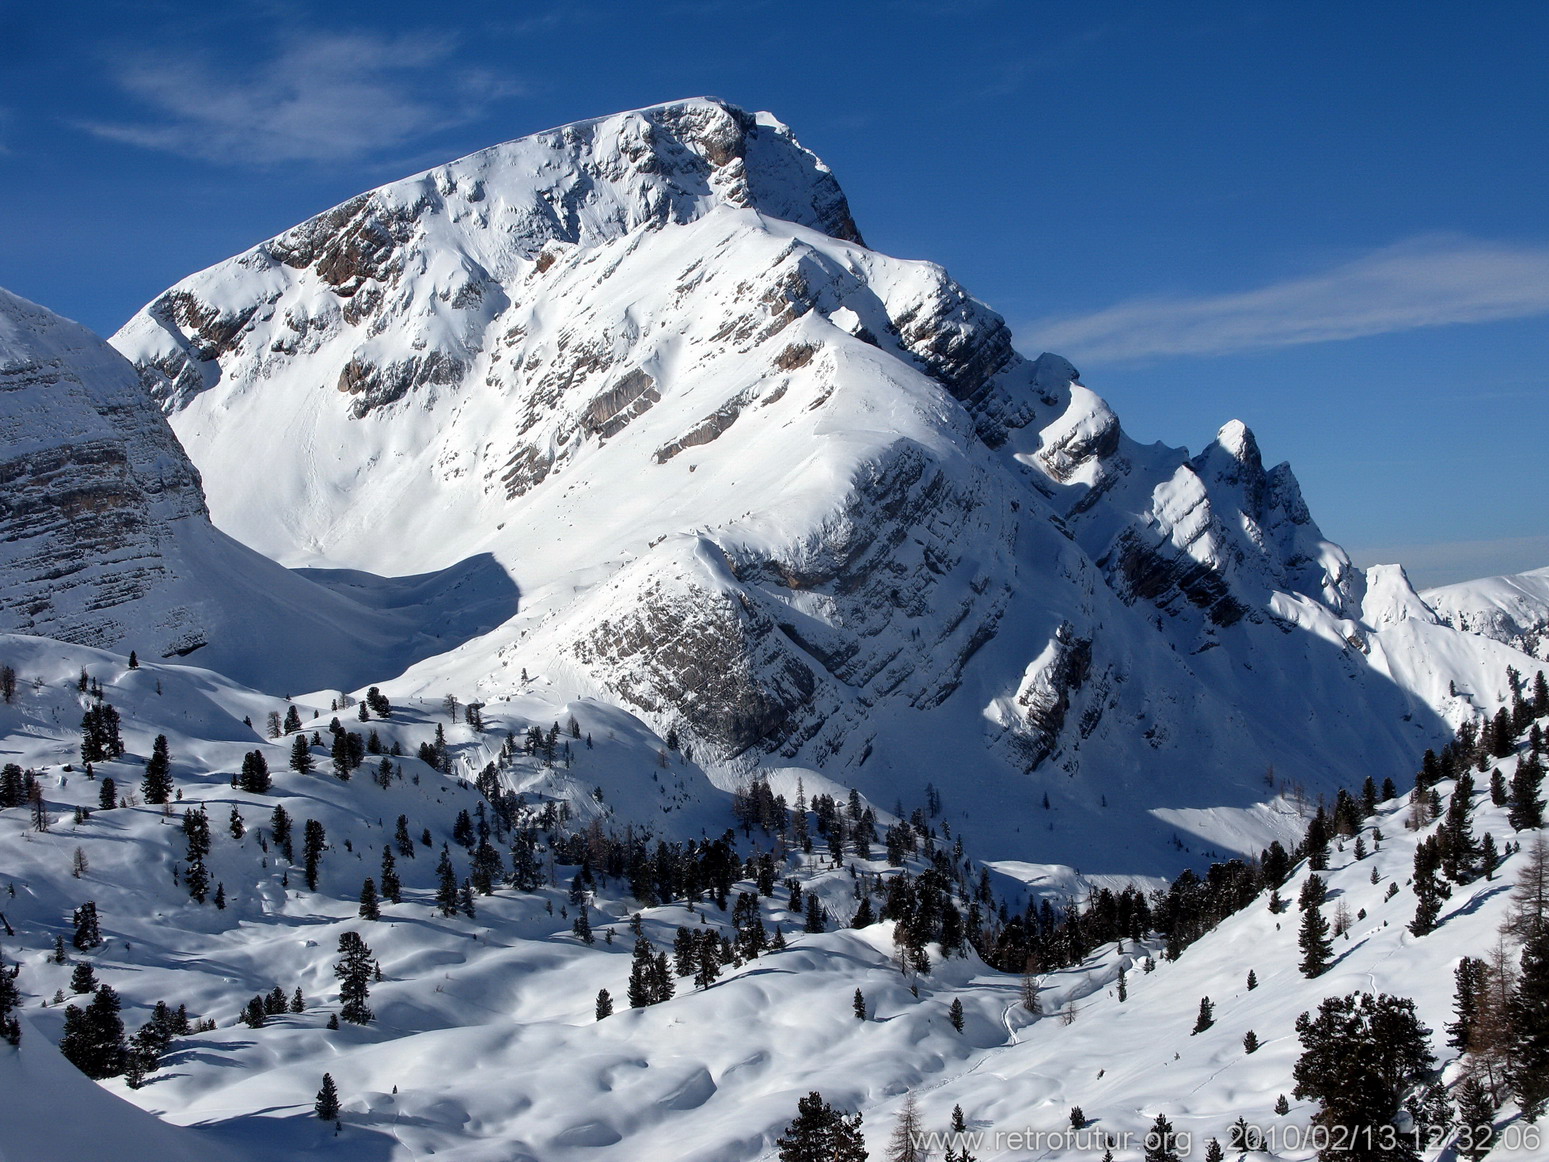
(326, 1106)
(1467, 978)
(279, 829)
(955, 1014)
(1476, 1119)
(858, 1005)
(314, 842)
(88, 931)
(446, 884)
(1528, 1010)
(93, 1038)
(83, 979)
(369, 908)
(604, 1004)
(196, 830)
(156, 787)
(814, 917)
(1313, 940)
(354, 969)
(820, 1133)
(1213, 1151)
(1524, 807)
(301, 755)
(255, 778)
(1530, 896)
(1206, 1016)
(642, 975)
(1161, 1143)
(1359, 1056)
(1250, 1042)
(392, 886)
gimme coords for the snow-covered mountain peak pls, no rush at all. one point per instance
(760, 484)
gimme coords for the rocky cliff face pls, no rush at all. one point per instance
(802, 501)
(94, 487)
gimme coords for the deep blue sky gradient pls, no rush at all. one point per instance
(1229, 165)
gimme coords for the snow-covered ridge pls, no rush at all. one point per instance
(1513, 609)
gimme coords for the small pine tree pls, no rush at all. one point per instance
(369, 908)
(1282, 1107)
(301, 755)
(604, 1004)
(392, 886)
(1476, 1117)
(156, 787)
(1161, 1142)
(1250, 1042)
(83, 979)
(354, 970)
(1213, 1151)
(326, 1106)
(1253, 980)
(955, 1014)
(1078, 1118)
(446, 885)
(1206, 1016)
(859, 1005)
(1313, 939)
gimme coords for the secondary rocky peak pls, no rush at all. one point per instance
(94, 480)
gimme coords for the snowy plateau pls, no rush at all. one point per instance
(650, 588)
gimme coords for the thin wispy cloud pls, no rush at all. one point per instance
(1425, 282)
(325, 97)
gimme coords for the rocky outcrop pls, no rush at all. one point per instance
(92, 486)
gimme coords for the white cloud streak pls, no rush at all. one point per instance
(328, 97)
(1425, 282)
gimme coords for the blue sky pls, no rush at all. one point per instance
(1328, 220)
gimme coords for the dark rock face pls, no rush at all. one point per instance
(710, 660)
(1164, 575)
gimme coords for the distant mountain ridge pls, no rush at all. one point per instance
(1513, 609)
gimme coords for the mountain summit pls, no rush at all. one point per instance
(798, 501)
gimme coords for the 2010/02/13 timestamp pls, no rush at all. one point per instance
(1338, 1139)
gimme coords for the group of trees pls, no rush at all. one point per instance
(1360, 1055)
(100, 739)
(256, 1014)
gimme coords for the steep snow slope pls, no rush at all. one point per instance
(105, 539)
(1513, 609)
(801, 501)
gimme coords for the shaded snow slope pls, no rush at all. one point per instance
(105, 539)
(798, 500)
